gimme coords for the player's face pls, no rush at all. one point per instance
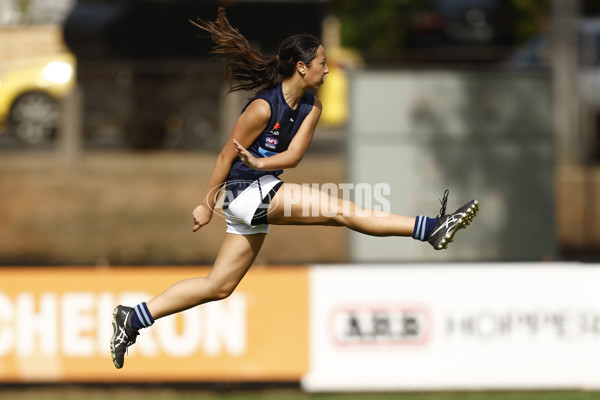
(316, 72)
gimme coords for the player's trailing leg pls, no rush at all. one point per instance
(440, 231)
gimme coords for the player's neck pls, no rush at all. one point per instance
(292, 92)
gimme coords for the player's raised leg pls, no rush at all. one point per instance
(303, 205)
(297, 205)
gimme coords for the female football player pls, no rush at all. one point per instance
(272, 133)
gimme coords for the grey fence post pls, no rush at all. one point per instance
(70, 137)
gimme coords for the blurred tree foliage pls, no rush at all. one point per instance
(389, 25)
(376, 24)
(529, 17)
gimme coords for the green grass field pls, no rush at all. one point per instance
(77, 393)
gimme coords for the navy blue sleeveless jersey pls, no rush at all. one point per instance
(279, 132)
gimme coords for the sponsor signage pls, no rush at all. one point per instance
(334, 328)
(428, 327)
(55, 325)
(379, 324)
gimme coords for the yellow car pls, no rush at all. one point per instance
(30, 93)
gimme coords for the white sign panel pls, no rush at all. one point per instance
(428, 327)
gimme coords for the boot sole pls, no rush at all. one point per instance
(462, 223)
(114, 336)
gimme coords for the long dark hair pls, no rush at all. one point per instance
(249, 68)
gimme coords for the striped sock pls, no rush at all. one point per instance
(423, 225)
(141, 318)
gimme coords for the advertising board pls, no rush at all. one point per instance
(453, 327)
(55, 325)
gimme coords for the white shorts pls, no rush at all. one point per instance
(247, 213)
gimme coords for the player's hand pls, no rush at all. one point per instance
(202, 215)
(247, 158)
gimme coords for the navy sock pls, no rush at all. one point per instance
(141, 318)
(423, 225)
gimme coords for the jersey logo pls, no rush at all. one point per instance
(271, 142)
(275, 130)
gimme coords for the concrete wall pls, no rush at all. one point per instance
(481, 135)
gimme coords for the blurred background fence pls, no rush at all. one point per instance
(153, 104)
(146, 81)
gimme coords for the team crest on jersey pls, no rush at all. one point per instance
(271, 142)
(275, 130)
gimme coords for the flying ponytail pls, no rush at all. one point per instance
(247, 68)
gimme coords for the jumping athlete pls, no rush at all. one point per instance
(272, 133)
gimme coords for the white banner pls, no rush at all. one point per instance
(469, 326)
